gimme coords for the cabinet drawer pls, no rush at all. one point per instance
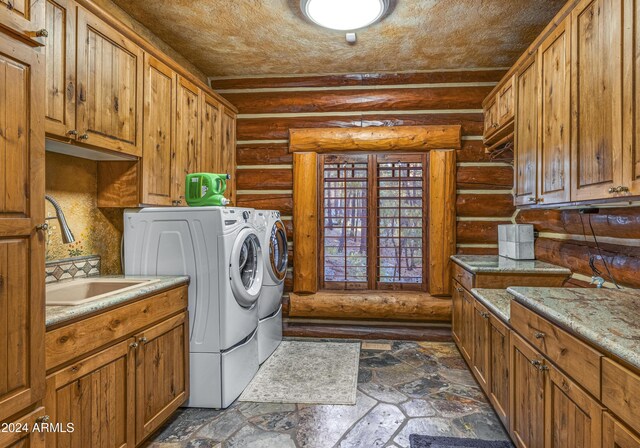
(621, 392)
(464, 277)
(577, 359)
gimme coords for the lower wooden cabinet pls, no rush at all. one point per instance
(162, 373)
(468, 311)
(21, 434)
(527, 395)
(481, 348)
(498, 385)
(616, 435)
(96, 396)
(456, 314)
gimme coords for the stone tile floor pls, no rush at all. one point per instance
(416, 387)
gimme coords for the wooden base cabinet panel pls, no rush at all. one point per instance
(572, 418)
(481, 349)
(527, 395)
(457, 317)
(162, 374)
(96, 395)
(25, 439)
(498, 387)
(468, 311)
(616, 435)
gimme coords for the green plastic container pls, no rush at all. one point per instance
(206, 189)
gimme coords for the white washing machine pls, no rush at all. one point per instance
(220, 250)
(274, 242)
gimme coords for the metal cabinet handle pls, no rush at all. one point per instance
(531, 199)
(133, 345)
(539, 335)
(459, 289)
(42, 33)
(623, 189)
(613, 190)
(83, 137)
(72, 132)
(143, 340)
(43, 419)
(44, 226)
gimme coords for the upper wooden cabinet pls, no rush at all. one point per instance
(554, 155)
(499, 111)
(25, 18)
(211, 135)
(21, 219)
(187, 134)
(109, 94)
(526, 134)
(597, 70)
(227, 160)
(631, 94)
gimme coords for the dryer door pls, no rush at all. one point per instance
(278, 252)
(246, 268)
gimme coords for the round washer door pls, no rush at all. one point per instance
(246, 268)
(278, 252)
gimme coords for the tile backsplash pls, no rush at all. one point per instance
(72, 182)
(70, 268)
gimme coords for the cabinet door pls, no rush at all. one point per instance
(527, 395)
(596, 71)
(616, 435)
(162, 373)
(97, 396)
(467, 326)
(228, 153)
(554, 158)
(481, 352)
(19, 438)
(21, 210)
(456, 318)
(60, 93)
(499, 365)
(526, 134)
(109, 98)
(572, 418)
(211, 144)
(187, 136)
(632, 97)
(159, 133)
(506, 103)
(25, 17)
(490, 118)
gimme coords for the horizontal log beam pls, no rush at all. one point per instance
(366, 332)
(263, 154)
(485, 177)
(281, 202)
(279, 179)
(477, 251)
(485, 205)
(394, 306)
(399, 138)
(478, 232)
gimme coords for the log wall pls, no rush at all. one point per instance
(270, 107)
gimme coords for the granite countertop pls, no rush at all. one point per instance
(606, 318)
(57, 314)
(498, 301)
(502, 265)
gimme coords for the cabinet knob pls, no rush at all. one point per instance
(83, 137)
(72, 132)
(539, 335)
(42, 33)
(623, 189)
(459, 289)
(133, 345)
(485, 315)
(43, 419)
(43, 227)
(531, 199)
(143, 340)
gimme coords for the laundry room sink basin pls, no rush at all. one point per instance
(77, 292)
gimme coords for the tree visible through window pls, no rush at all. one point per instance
(373, 219)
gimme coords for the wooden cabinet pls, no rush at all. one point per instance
(158, 153)
(499, 110)
(211, 135)
(109, 97)
(554, 156)
(96, 395)
(21, 438)
(25, 18)
(227, 162)
(596, 70)
(456, 312)
(616, 435)
(481, 349)
(631, 95)
(526, 134)
(162, 373)
(506, 103)
(468, 311)
(490, 119)
(21, 214)
(60, 90)
(621, 392)
(187, 134)
(572, 417)
(498, 384)
(527, 395)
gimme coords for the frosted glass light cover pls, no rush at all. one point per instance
(344, 15)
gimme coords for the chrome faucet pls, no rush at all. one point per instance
(599, 281)
(67, 236)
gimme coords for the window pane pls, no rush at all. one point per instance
(400, 222)
(345, 218)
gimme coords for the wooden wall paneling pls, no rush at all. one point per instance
(187, 145)
(305, 214)
(554, 139)
(442, 220)
(372, 305)
(60, 96)
(228, 152)
(596, 82)
(526, 133)
(158, 152)
(393, 138)
(211, 135)
(484, 177)
(22, 72)
(110, 79)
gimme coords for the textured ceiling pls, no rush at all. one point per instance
(259, 37)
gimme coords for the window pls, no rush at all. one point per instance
(373, 213)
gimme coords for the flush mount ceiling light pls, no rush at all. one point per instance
(344, 15)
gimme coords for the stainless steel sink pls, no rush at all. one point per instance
(77, 292)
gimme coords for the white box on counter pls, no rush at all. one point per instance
(516, 241)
